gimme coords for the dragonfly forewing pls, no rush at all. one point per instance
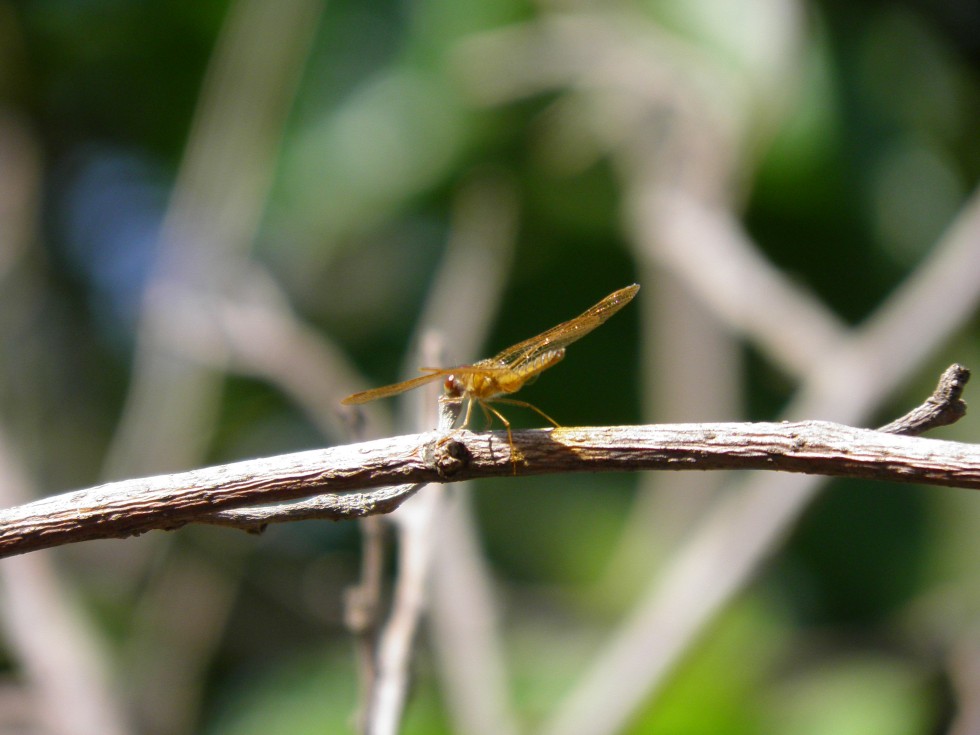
(566, 332)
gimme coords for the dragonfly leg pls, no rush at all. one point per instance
(525, 404)
(515, 455)
(466, 418)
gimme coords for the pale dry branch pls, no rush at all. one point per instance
(20, 185)
(732, 539)
(964, 673)
(707, 249)
(464, 628)
(127, 508)
(132, 507)
(416, 524)
(263, 336)
(212, 218)
(473, 271)
(172, 403)
(60, 655)
(58, 659)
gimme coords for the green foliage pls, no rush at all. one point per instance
(866, 695)
(308, 694)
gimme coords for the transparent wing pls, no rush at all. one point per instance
(393, 389)
(565, 333)
(484, 367)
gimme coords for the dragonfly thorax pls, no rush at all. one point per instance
(480, 385)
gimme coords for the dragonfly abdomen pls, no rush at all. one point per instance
(522, 374)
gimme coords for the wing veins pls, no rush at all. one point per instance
(565, 333)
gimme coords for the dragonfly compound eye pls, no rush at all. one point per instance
(452, 386)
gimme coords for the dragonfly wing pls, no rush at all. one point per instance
(483, 367)
(566, 332)
(394, 388)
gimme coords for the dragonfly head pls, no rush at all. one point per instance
(452, 386)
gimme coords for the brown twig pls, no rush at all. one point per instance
(131, 507)
(945, 406)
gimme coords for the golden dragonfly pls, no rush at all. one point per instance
(486, 381)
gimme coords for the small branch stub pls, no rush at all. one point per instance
(450, 456)
(945, 406)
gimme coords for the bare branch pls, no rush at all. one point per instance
(121, 509)
(213, 494)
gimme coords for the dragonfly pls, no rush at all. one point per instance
(493, 379)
